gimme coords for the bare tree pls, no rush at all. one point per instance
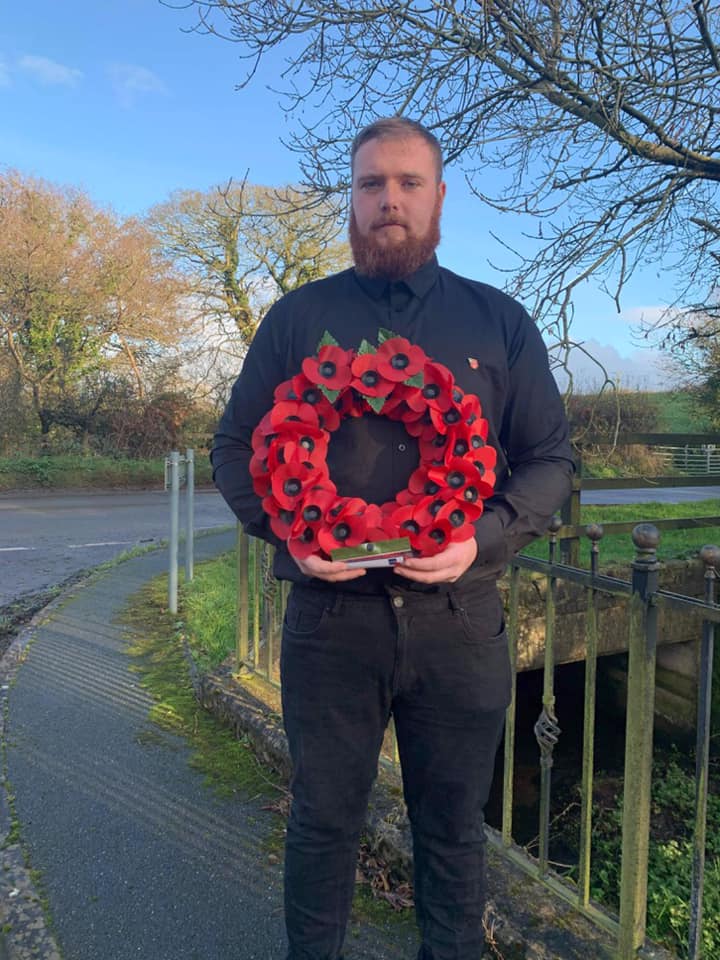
(601, 119)
(242, 246)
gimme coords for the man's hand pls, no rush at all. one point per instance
(329, 570)
(445, 567)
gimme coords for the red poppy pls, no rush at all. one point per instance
(282, 521)
(484, 460)
(444, 420)
(346, 525)
(285, 391)
(434, 537)
(367, 379)
(316, 503)
(433, 449)
(421, 484)
(436, 391)
(331, 367)
(263, 434)
(290, 481)
(460, 517)
(305, 543)
(398, 359)
(303, 442)
(293, 410)
(261, 475)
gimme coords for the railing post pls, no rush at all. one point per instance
(509, 758)
(547, 731)
(174, 531)
(710, 556)
(243, 602)
(595, 534)
(642, 644)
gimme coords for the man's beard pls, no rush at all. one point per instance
(395, 261)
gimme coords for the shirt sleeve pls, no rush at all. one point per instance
(534, 436)
(252, 396)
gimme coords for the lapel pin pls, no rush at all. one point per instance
(473, 363)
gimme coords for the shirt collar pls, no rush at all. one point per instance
(419, 283)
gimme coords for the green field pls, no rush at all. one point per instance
(75, 472)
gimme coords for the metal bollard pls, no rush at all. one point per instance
(189, 514)
(174, 530)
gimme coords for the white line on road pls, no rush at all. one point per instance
(14, 549)
(102, 543)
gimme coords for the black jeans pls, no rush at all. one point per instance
(439, 664)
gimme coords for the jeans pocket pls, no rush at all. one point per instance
(306, 613)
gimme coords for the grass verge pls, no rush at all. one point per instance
(227, 764)
(63, 472)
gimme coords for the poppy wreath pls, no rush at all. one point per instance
(396, 379)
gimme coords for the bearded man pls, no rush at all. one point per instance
(423, 641)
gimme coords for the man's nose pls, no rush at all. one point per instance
(390, 198)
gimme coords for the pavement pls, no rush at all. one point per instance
(131, 855)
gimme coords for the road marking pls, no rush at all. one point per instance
(13, 549)
(102, 543)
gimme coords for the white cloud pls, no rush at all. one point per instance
(49, 72)
(130, 82)
(643, 369)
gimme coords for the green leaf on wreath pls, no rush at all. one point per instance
(366, 347)
(327, 340)
(332, 395)
(384, 335)
(377, 403)
(417, 381)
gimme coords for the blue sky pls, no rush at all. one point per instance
(114, 96)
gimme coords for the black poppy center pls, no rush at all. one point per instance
(431, 488)
(311, 514)
(440, 440)
(456, 518)
(311, 395)
(438, 535)
(452, 416)
(471, 494)
(477, 442)
(341, 531)
(308, 443)
(292, 487)
(307, 535)
(431, 391)
(369, 378)
(287, 516)
(327, 369)
(399, 361)
(457, 396)
(455, 479)
(435, 507)
(411, 526)
(460, 448)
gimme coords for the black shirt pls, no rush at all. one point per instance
(493, 349)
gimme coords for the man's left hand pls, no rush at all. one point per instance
(445, 567)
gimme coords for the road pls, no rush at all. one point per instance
(47, 537)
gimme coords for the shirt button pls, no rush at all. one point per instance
(398, 602)
(402, 447)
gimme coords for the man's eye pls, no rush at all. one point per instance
(411, 184)
(369, 185)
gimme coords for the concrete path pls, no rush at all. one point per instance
(138, 859)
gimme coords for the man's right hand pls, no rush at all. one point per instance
(329, 570)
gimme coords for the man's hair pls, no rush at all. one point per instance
(395, 128)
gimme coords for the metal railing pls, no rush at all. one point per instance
(260, 605)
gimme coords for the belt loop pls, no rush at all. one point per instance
(337, 604)
(453, 601)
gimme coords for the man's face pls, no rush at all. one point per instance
(396, 206)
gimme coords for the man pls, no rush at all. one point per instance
(424, 641)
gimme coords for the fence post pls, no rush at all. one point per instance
(642, 644)
(174, 530)
(710, 556)
(189, 515)
(243, 605)
(570, 514)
